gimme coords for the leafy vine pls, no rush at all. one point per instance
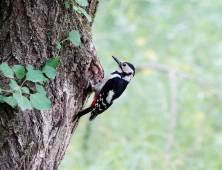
(15, 95)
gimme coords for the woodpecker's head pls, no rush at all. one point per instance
(125, 67)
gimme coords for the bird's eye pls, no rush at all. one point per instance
(124, 64)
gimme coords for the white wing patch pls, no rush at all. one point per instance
(109, 96)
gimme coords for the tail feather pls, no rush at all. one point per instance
(92, 117)
(85, 111)
(89, 109)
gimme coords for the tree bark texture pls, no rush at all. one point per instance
(29, 31)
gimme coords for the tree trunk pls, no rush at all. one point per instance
(29, 31)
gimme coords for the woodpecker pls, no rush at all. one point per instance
(109, 89)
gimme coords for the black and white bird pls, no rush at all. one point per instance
(109, 89)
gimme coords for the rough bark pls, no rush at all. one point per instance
(29, 31)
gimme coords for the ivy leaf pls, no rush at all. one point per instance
(2, 99)
(29, 67)
(67, 5)
(39, 101)
(23, 102)
(19, 71)
(34, 76)
(74, 37)
(58, 46)
(40, 89)
(14, 85)
(86, 15)
(44, 80)
(77, 9)
(53, 62)
(7, 71)
(82, 2)
(25, 90)
(49, 71)
(10, 100)
(82, 11)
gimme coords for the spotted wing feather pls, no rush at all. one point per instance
(110, 91)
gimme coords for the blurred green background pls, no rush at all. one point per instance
(163, 121)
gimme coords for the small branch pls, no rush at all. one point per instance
(9, 91)
(184, 74)
(173, 114)
(172, 72)
(23, 83)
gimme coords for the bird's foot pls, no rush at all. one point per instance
(90, 86)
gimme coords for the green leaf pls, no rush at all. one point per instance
(53, 62)
(45, 79)
(19, 71)
(2, 99)
(10, 100)
(82, 2)
(39, 101)
(82, 11)
(23, 102)
(25, 90)
(49, 71)
(29, 67)
(86, 15)
(34, 76)
(58, 46)
(77, 9)
(7, 71)
(0, 90)
(67, 5)
(40, 89)
(74, 37)
(14, 85)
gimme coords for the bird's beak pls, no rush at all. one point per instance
(116, 60)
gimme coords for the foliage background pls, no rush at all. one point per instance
(138, 131)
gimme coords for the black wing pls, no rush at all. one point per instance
(116, 86)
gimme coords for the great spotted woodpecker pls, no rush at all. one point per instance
(109, 89)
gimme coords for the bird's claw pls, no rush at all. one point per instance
(89, 85)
